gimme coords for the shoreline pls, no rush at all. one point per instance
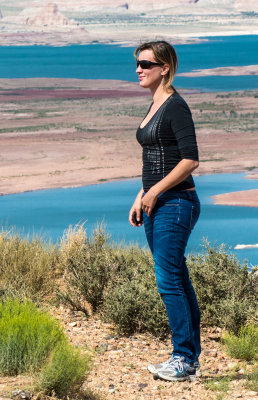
(177, 39)
(60, 133)
(242, 198)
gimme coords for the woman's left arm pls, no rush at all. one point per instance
(181, 171)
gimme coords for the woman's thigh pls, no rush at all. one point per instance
(172, 224)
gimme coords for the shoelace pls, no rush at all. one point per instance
(177, 363)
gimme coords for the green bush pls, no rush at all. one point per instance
(31, 341)
(89, 264)
(27, 267)
(225, 289)
(64, 370)
(244, 346)
(27, 336)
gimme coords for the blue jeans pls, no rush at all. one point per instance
(167, 230)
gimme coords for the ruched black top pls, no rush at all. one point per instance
(166, 139)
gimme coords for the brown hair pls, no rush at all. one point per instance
(164, 53)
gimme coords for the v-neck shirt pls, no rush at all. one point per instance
(166, 139)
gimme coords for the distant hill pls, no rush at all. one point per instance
(147, 6)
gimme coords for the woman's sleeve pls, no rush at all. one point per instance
(182, 126)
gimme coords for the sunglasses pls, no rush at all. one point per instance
(145, 64)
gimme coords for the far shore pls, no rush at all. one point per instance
(245, 198)
(223, 71)
(64, 133)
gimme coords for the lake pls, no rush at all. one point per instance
(99, 61)
(50, 212)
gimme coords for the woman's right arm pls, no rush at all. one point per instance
(136, 207)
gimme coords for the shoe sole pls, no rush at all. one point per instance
(152, 370)
(173, 378)
(192, 378)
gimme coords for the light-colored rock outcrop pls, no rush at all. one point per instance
(49, 15)
(246, 5)
(147, 6)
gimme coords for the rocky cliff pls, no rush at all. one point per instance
(48, 15)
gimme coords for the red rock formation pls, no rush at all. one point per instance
(49, 15)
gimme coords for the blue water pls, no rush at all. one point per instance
(50, 212)
(97, 61)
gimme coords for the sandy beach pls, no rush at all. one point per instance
(245, 198)
(66, 133)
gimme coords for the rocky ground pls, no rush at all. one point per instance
(119, 365)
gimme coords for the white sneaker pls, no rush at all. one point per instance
(177, 369)
(154, 368)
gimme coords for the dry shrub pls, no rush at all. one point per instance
(132, 301)
(226, 290)
(27, 267)
(89, 264)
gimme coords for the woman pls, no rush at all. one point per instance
(169, 203)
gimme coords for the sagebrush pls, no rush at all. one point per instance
(27, 267)
(119, 282)
(226, 290)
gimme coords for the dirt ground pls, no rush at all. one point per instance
(119, 369)
(68, 133)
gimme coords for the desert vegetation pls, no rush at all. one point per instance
(116, 284)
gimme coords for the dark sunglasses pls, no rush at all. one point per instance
(145, 64)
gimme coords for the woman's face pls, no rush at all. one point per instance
(149, 78)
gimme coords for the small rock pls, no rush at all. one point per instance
(111, 388)
(142, 385)
(73, 324)
(109, 337)
(211, 353)
(232, 365)
(101, 348)
(21, 394)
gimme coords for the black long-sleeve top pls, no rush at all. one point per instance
(166, 139)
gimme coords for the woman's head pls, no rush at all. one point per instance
(162, 53)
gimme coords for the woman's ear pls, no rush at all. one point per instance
(165, 69)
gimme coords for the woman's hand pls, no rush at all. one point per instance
(136, 208)
(148, 202)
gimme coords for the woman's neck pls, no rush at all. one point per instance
(160, 94)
